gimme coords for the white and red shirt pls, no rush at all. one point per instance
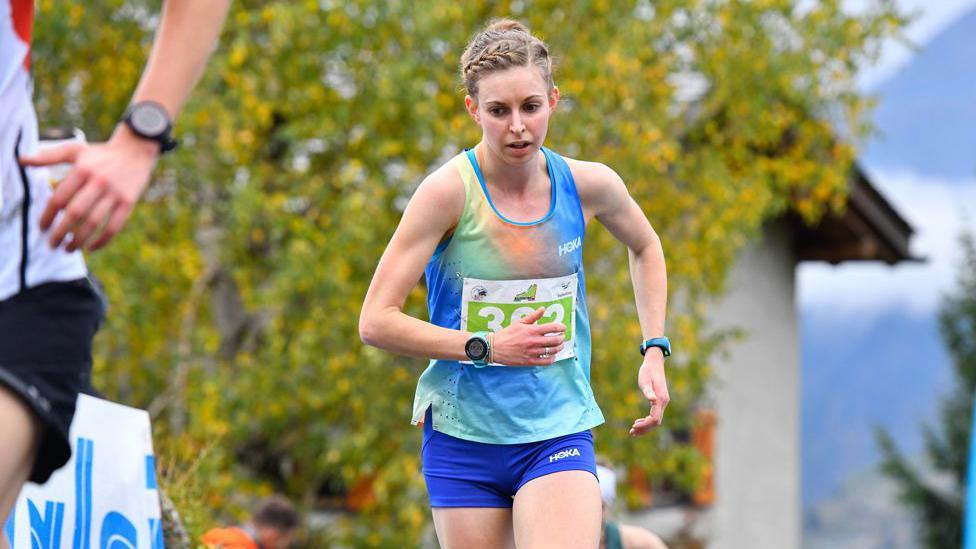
(26, 259)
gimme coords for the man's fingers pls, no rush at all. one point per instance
(76, 214)
(62, 195)
(55, 155)
(115, 224)
(533, 317)
(89, 228)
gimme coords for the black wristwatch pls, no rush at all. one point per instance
(477, 349)
(149, 120)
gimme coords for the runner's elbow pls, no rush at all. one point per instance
(367, 328)
(371, 321)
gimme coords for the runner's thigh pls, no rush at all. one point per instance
(558, 510)
(475, 528)
(20, 432)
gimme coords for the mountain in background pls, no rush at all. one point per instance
(858, 375)
(885, 368)
(927, 112)
(864, 515)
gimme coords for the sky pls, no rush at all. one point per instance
(933, 16)
(937, 209)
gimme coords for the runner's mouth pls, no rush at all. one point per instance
(520, 144)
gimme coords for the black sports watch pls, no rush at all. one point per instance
(149, 120)
(477, 349)
(662, 343)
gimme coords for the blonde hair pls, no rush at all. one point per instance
(504, 44)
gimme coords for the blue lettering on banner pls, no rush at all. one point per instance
(156, 533)
(117, 532)
(46, 531)
(151, 472)
(83, 493)
(9, 527)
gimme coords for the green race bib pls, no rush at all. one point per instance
(491, 305)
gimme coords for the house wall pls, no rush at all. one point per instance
(757, 399)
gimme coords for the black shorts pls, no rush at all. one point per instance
(45, 358)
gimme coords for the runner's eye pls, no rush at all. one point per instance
(531, 107)
(496, 111)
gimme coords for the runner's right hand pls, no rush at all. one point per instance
(524, 342)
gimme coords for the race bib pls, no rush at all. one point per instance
(491, 305)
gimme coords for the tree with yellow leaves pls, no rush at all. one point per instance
(235, 292)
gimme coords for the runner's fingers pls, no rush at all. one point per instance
(533, 317)
(57, 155)
(543, 350)
(551, 328)
(76, 213)
(115, 223)
(548, 341)
(61, 196)
(91, 226)
(539, 360)
(645, 424)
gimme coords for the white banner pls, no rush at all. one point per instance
(105, 497)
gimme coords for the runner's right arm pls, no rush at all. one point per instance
(431, 215)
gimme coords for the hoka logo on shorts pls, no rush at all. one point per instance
(570, 246)
(572, 452)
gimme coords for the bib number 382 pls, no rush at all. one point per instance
(492, 305)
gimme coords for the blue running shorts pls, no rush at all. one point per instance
(464, 473)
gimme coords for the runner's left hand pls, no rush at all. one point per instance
(654, 386)
(99, 193)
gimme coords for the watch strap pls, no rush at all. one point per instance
(662, 343)
(165, 140)
(483, 361)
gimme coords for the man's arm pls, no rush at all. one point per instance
(107, 179)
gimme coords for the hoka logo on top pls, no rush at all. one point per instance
(572, 452)
(571, 246)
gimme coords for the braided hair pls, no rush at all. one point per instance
(504, 44)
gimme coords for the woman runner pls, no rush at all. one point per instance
(506, 403)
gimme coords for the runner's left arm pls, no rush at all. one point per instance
(107, 179)
(605, 197)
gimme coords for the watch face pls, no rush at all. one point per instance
(149, 119)
(476, 349)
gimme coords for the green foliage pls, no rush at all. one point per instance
(236, 288)
(938, 508)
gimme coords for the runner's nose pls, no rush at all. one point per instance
(516, 126)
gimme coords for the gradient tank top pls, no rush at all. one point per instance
(489, 273)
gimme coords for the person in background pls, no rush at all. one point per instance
(615, 535)
(49, 310)
(272, 526)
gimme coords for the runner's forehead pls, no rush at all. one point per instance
(513, 85)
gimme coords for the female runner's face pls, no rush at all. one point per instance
(513, 111)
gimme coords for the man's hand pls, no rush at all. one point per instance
(99, 193)
(654, 386)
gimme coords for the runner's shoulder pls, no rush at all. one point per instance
(441, 195)
(594, 180)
